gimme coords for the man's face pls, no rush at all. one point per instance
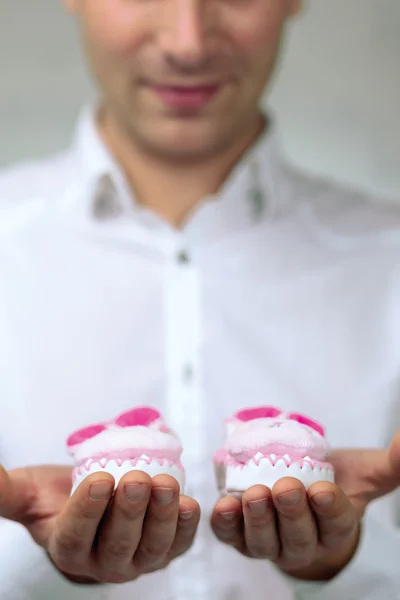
(183, 77)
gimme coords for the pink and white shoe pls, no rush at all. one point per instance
(264, 444)
(136, 440)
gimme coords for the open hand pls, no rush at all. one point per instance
(310, 535)
(95, 536)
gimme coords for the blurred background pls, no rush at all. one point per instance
(336, 95)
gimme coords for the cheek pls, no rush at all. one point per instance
(114, 27)
(257, 30)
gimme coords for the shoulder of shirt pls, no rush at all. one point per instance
(26, 180)
(342, 211)
(28, 188)
(41, 179)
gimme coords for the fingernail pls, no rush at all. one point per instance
(323, 498)
(135, 491)
(290, 498)
(163, 496)
(258, 507)
(188, 514)
(100, 491)
(229, 516)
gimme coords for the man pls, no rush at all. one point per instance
(172, 258)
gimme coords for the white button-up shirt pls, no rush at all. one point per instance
(282, 290)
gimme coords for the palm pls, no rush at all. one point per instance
(41, 494)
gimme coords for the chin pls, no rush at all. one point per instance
(185, 141)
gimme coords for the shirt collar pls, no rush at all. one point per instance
(255, 189)
(107, 192)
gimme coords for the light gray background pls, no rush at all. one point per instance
(337, 95)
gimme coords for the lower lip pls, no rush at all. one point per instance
(181, 98)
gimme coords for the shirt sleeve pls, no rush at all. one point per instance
(372, 574)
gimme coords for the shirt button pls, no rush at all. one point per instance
(183, 257)
(187, 373)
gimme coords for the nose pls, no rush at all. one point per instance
(183, 34)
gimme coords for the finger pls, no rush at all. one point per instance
(120, 532)
(336, 516)
(17, 491)
(227, 523)
(394, 461)
(297, 526)
(160, 524)
(77, 524)
(260, 531)
(188, 520)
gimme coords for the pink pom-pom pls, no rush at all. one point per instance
(260, 412)
(303, 420)
(81, 435)
(142, 415)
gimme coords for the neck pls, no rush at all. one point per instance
(172, 189)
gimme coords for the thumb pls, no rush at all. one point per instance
(387, 468)
(394, 457)
(367, 474)
(17, 493)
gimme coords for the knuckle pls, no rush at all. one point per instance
(299, 545)
(155, 551)
(117, 549)
(258, 550)
(147, 563)
(68, 544)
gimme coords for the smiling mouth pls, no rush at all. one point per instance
(185, 97)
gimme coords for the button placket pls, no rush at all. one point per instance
(184, 404)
